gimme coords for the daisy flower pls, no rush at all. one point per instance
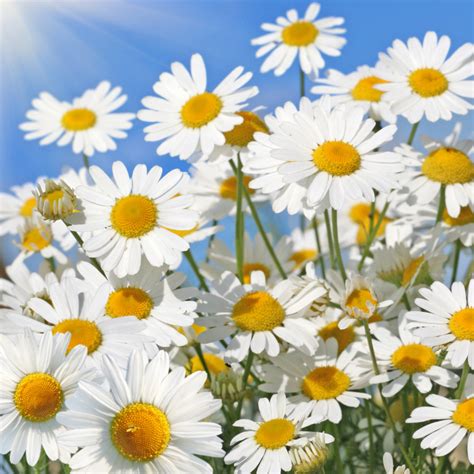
(389, 466)
(447, 320)
(148, 420)
(256, 258)
(422, 81)
(89, 122)
(39, 376)
(265, 446)
(357, 88)
(258, 317)
(82, 316)
(305, 37)
(187, 118)
(404, 358)
(155, 299)
(130, 216)
(310, 456)
(321, 382)
(15, 208)
(448, 165)
(330, 152)
(452, 422)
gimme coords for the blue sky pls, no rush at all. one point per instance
(66, 46)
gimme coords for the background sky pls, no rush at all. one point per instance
(66, 46)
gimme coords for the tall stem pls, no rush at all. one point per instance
(302, 88)
(371, 437)
(442, 202)
(462, 382)
(337, 247)
(211, 239)
(195, 268)
(457, 253)
(329, 235)
(413, 130)
(318, 246)
(245, 379)
(239, 223)
(85, 160)
(203, 361)
(81, 244)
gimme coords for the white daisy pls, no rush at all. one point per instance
(454, 422)
(186, 117)
(82, 315)
(265, 445)
(330, 153)
(321, 382)
(38, 376)
(404, 358)
(389, 466)
(447, 320)
(129, 216)
(447, 165)
(149, 420)
(15, 208)
(89, 122)
(258, 317)
(422, 82)
(151, 296)
(357, 88)
(306, 37)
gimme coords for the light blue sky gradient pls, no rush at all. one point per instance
(66, 46)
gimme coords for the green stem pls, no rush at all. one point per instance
(371, 437)
(337, 448)
(462, 382)
(239, 223)
(203, 361)
(302, 88)
(211, 239)
(457, 253)
(52, 264)
(440, 466)
(318, 245)
(442, 202)
(245, 379)
(195, 268)
(329, 235)
(85, 159)
(258, 222)
(413, 130)
(337, 247)
(92, 259)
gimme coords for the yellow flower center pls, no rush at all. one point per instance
(36, 239)
(466, 216)
(129, 301)
(428, 82)
(38, 397)
(343, 336)
(258, 311)
(301, 33)
(275, 434)
(26, 210)
(448, 166)
(201, 109)
(411, 269)
(53, 197)
(214, 363)
(323, 383)
(365, 90)
(413, 358)
(302, 256)
(464, 414)
(82, 332)
(134, 216)
(336, 158)
(140, 432)
(76, 120)
(228, 187)
(183, 233)
(248, 268)
(461, 324)
(362, 300)
(241, 135)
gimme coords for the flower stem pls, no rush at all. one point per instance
(442, 202)
(371, 437)
(195, 268)
(457, 252)
(92, 259)
(329, 235)
(337, 247)
(337, 448)
(413, 130)
(211, 239)
(239, 223)
(302, 88)
(245, 379)
(318, 245)
(85, 160)
(203, 360)
(462, 382)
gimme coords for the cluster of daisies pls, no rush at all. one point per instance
(345, 344)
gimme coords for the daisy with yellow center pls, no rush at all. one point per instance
(149, 419)
(306, 37)
(89, 123)
(405, 358)
(330, 151)
(259, 318)
(55, 200)
(186, 118)
(16, 207)
(451, 421)
(81, 316)
(358, 88)
(129, 217)
(421, 81)
(447, 164)
(39, 376)
(447, 319)
(321, 382)
(268, 442)
(327, 326)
